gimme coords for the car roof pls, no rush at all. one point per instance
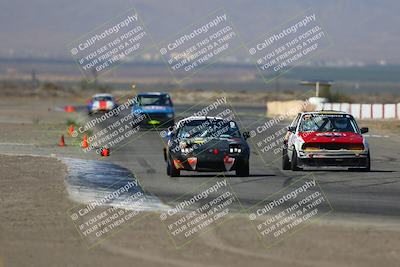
(103, 95)
(200, 118)
(152, 93)
(197, 118)
(326, 112)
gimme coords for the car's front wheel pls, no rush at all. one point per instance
(367, 167)
(294, 163)
(171, 170)
(285, 159)
(368, 164)
(243, 169)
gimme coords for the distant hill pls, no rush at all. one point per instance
(362, 30)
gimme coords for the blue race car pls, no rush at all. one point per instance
(156, 107)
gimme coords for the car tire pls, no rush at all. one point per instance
(171, 170)
(294, 162)
(367, 167)
(285, 159)
(243, 169)
(165, 154)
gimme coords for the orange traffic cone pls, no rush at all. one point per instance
(69, 109)
(62, 142)
(71, 129)
(105, 152)
(85, 142)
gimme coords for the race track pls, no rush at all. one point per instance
(350, 193)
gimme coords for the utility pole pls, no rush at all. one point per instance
(34, 80)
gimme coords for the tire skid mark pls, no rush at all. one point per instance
(146, 166)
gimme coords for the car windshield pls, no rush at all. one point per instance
(154, 100)
(327, 123)
(102, 98)
(209, 128)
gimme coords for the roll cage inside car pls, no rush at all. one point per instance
(319, 122)
(206, 127)
(154, 100)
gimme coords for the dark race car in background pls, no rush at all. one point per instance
(320, 139)
(157, 108)
(207, 144)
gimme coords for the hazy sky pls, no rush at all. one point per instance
(361, 30)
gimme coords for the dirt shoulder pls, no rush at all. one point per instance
(36, 231)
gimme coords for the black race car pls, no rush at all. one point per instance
(209, 144)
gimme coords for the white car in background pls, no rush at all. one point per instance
(101, 103)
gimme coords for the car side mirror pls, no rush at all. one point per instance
(170, 132)
(134, 102)
(291, 128)
(364, 130)
(246, 135)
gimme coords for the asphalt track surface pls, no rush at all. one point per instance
(376, 193)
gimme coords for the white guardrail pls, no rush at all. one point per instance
(366, 111)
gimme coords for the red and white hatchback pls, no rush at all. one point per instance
(325, 138)
(101, 103)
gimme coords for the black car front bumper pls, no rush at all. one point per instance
(210, 163)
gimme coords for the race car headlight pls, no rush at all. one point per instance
(235, 149)
(310, 147)
(356, 147)
(137, 112)
(170, 115)
(186, 150)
